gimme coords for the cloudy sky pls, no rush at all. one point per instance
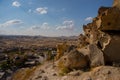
(47, 17)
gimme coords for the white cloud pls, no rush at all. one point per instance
(42, 10)
(11, 23)
(16, 4)
(67, 25)
(88, 19)
(44, 26)
(34, 27)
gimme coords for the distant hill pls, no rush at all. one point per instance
(39, 36)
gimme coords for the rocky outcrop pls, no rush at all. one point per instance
(99, 73)
(94, 55)
(102, 73)
(116, 3)
(73, 60)
(110, 19)
(82, 41)
(97, 47)
(100, 43)
(61, 48)
(112, 50)
(103, 36)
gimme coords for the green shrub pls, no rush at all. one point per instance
(64, 71)
(5, 65)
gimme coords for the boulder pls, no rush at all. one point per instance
(73, 60)
(94, 55)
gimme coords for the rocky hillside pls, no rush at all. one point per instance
(96, 57)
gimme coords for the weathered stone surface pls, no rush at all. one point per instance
(75, 73)
(104, 32)
(82, 41)
(116, 3)
(110, 20)
(95, 55)
(61, 48)
(92, 33)
(73, 60)
(106, 73)
(102, 73)
(112, 50)
(102, 10)
(103, 40)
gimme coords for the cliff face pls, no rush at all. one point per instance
(104, 32)
(116, 3)
(99, 45)
(100, 42)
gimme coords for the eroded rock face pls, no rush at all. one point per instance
(94, 55)
(101, 39)
(112, 50)
(82, 41)
(110, 20)
(104, 32)
(102, 73)
(73, 60)
(61, 48)
(116, 3)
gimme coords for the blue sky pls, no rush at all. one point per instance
(47, 17)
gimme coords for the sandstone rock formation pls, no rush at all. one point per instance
(82, 41)
(116, 3)
(104, 32)
(100, 43)
(110, 19)
(61, 48)
(73, 60)
(99, 73)
(94, 55)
